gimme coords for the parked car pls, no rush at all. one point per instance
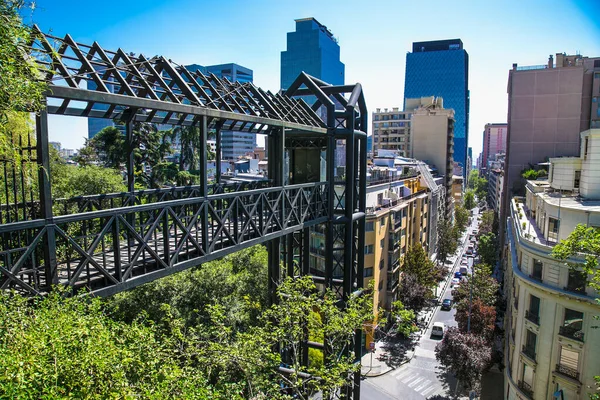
(456, 286)
(447, 304)
(457, 274)
(438, 329)
(455, 281)
(464, 271)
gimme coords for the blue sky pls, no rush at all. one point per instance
(374, 38)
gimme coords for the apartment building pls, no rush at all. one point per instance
(391, 131)
(551, 341)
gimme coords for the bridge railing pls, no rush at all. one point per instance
(121, 247)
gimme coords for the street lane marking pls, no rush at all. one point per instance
(404, 373)
(422, 385)
(409, 377)
(413, 383)
(429, 389)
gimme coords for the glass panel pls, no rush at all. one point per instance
(528, 374)
(531, 339)
(534, 305)
(537, 269)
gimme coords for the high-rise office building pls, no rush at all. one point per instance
(95, 125)
(312, 49)
(441, 68)
(494, 141)
(233, 144)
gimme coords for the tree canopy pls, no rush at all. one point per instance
(416, 262)
(447, 240)
(488, 248)
(469, 199)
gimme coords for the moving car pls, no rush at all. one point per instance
(438, 329)
(446, 304)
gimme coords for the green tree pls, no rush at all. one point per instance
(483, 286)
(416, 262)
(473, 178)
(412, 293)
(469, 200)
(461, 218)
(21, 82)
(487, 222)
(110, 146)
(488, 248)
(403, 319)
(447, 240)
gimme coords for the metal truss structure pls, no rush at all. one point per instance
(108, 243)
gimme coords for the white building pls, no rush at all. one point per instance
(551, 344)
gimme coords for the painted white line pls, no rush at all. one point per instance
(413, 383)
(429, 389)
(404, 373)
(410, 378)
(422, 385)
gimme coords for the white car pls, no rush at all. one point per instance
(438, 329)
(454, 281)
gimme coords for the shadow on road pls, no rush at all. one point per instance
(397, 350)
(449, 383)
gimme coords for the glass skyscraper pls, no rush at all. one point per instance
(233, 144)
(312, 49)
(441, 68)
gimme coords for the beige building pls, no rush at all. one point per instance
(391, 131)
(432, 131)
(551, 342)
(457, 189)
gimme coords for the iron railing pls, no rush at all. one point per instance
(526, 388)
(567, 371)
(571, 333)
(535, 318)
(124, 246)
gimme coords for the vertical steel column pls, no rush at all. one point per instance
(130, 161)
(350, 189)
(218, 154)
(330, 165)
(45, 192)
(273, 245)
(204, 181)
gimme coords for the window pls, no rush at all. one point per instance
(577, 281)
(537, 270)
(572, 326)
(381, 263)
(369, 249)
(585, 148)
(380, 285)
(382, 220)
(527, 376)
(529, 347)
(382, 243)
(577, 179)
(553, 226)
(534, 305)
(368, 272)
(369, 226)
(568, 362)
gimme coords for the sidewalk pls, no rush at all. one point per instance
(390, 354)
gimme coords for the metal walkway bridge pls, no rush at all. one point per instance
(108, 243)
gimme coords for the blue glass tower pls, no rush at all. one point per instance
(312, 49)
(441, 68)
(233, 144)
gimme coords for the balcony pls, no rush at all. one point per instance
(571, 333)
(392, 286)
(532, 317)
(526, 388)
(529, 351)
(567, 371)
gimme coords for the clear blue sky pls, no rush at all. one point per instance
(374, 38)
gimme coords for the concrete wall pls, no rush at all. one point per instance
(590, 174)
(563, 172)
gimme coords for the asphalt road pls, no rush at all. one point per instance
(423, 376)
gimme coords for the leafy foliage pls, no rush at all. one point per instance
(461, 218)
(416, 262)
(413, 294)
(466, 355)
(483, 318)
(469, 199)
(478, 184)
(403, 319)
(447, 240)
(487, 222)
(488, 248)
(21, 83)
(484, 286)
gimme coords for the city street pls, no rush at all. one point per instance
(423, 376)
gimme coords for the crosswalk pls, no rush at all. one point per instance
(415, 380)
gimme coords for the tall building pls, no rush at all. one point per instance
(548, 106)
(233, 144)
(432, 139)
(95, 125)
(551, 344)
(494, 141)
(391, 131)
(312, 48)
(441, 68)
